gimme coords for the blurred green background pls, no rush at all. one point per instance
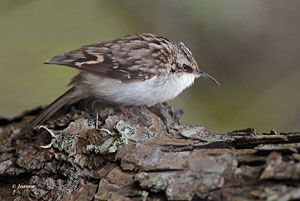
(252, 47)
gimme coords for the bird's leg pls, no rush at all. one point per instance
(125, 111)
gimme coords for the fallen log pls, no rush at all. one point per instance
(92, 151)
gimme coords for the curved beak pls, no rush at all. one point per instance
(201, 73)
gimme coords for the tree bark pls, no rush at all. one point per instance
(90, 151)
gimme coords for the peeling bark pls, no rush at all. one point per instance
(148, 155)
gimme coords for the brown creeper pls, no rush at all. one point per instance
(142, 69)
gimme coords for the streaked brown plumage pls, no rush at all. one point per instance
(142, 69)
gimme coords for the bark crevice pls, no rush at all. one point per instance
(149, 156)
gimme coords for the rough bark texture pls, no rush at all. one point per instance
(145, 154)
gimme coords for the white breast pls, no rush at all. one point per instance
(149, 92)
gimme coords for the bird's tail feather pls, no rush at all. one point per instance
(69, 97)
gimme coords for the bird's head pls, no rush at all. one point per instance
(185, 63)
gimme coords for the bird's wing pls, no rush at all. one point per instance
(130, 58)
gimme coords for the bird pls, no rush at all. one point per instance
(135, 70)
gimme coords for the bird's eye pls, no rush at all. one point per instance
(185, 66)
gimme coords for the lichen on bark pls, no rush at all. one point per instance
(148, 155)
